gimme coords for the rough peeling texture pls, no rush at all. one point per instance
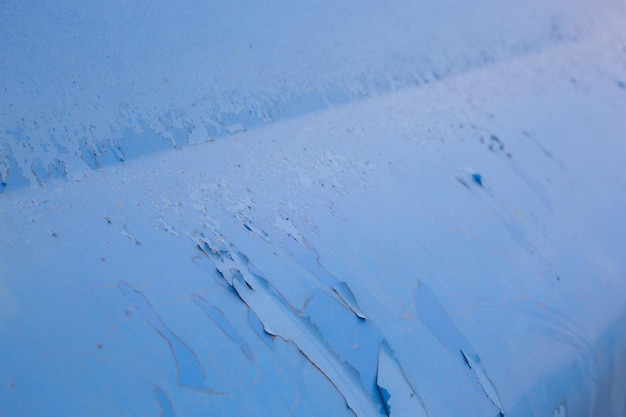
(409, 208)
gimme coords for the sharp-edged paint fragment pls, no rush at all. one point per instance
(190, 372)
(473, 361)
(167, 409)
(354, 340)
(225, 263)
(398, 395)
(217, 316)
(279, 319)
(346, 295)
(308, 258)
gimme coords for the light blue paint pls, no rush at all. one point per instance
(387, 208)
(190, 373)
(226, 326)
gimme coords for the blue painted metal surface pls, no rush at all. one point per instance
(408, 208)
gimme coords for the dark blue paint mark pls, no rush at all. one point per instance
(167, 409)
(385, 396)
(190, 373)
(217, 316)
(478, 179)
(621, 84)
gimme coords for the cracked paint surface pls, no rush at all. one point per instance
(411, 211)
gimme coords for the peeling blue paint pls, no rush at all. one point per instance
(400, 397)
(226, 326)
(190, 372)
(438, 321)
(473, 361)
(346, 295)
(271, 183)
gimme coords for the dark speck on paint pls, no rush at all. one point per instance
(478, 179)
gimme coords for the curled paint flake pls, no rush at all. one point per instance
(345, 293)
